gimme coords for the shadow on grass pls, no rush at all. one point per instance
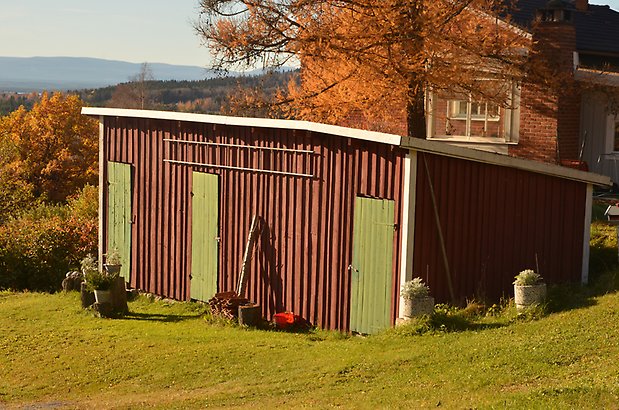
(155, 317)
(603, 268)
(576, 296)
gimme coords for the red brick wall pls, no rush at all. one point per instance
(538, 125)
(549, 120)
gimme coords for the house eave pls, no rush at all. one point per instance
(599, 77)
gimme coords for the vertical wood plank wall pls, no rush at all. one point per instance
(495, 221)
(302, 257)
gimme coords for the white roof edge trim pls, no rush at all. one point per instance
(445, 149)
(337, 130)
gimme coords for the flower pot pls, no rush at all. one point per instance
(112, 269)
(103, 296)
(529, 295)
(418, 306)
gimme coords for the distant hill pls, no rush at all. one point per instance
(241, 95)
(21, 74)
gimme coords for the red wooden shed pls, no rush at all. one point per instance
(345, 215)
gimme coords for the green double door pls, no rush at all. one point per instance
(119, 213)
(204, 236)
(371, 268)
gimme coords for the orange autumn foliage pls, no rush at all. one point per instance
(50, 150)
(378, 57)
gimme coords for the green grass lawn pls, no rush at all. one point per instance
(166, 355)
(53, 354)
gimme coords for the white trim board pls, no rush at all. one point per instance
(365, 135)
(586, 249)
(408, 224)
(102, 164)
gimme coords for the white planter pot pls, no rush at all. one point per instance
(526, 296)
(112, 269)
(103, 296)
(418, 306)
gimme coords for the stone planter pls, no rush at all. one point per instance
(529, 295)
(418, 306)
(103, 296)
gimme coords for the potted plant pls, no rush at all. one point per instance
(529, 289)
(417, 299)
(112, 261)
(97, 281)
(88, 263)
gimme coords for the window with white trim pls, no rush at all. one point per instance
(462, 117)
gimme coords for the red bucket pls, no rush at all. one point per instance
(285, 320)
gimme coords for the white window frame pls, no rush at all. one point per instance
(509, 116)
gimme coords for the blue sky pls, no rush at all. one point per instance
(155, 31)
(129, 30)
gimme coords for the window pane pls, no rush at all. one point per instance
(477, 109)
(462, 108)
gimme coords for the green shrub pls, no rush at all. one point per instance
(38, 248)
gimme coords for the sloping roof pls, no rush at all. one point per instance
(597, 29)
(416, 144)
(246, 121)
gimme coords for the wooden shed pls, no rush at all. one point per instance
(345, 215)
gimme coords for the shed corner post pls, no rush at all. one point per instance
(584, 277)
(101, 190)
(408, 223)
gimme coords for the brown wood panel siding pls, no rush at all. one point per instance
(302, 256)
(495, 221)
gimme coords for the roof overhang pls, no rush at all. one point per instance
(441, 148)
(415, 144)
(604, 78)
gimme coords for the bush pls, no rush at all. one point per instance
(38, 248)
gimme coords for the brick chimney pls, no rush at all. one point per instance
(581, 5)
(550, 130)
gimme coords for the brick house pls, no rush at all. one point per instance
(583, 40)
(581, 123)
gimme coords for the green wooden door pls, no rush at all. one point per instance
(119, 213)
(371, 268)
(204, 236)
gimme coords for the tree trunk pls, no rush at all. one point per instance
(415, 110)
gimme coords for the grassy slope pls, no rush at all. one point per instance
(167, 356)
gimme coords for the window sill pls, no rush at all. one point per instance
(473, 140)
(495, 145)
(482, 119)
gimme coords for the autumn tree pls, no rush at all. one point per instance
(371, 55)
(49, 152)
